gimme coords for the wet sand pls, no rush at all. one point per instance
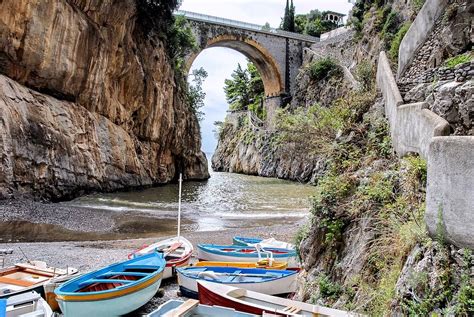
(100, 233)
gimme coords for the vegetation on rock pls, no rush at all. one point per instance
(458, 60)
(324, 68)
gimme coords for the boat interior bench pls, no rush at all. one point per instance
(100, 280)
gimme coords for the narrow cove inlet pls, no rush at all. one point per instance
(224, 201)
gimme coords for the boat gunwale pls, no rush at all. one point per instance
(68, 295)
(215, 250)
(271, 279)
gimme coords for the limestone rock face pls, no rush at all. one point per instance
(261, 157)
(103, 110)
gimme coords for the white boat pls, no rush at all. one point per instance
(177, 252)
(28, 304)
(253, 302)
(264, 243)
(259, 280)
(191, 307)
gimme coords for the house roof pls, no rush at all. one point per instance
(335, 13)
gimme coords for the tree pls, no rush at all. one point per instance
(286, 18)
(291, 19)
(245, 90)
(195, 93)
(288, 22)
(237, 89)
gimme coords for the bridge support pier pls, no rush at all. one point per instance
(271, 105)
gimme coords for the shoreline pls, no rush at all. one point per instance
(31, 221)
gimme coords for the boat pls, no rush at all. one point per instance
(114, 290)
(191, 307)
(27, 304)
(177, 252)
(265, 281)
(232, 253)
(264, 243)
(262, 264)
(253, 302)
(30, 276)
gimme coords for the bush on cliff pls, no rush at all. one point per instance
(324, 68)
(397, 40)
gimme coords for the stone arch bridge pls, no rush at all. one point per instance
(277, 54)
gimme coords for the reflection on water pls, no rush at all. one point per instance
(212, 204)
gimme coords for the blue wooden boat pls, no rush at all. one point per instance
(114, 290)
(233, 253)
(266, 243)
(192, 308)
(264, 281)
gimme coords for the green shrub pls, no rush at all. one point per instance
(328, 289)
(301, 234)
(417, 5)
(458, 60)
(365, 75)
(395, 45)
(392, 22)
(324, 68)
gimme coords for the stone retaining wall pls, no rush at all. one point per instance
(460, 73)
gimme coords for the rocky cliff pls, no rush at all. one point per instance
(89, 101)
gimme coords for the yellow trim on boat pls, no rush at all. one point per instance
(96, 297)
(276, 265)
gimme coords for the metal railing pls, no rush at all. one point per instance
(244, 25)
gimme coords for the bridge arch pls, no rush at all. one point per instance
(266, 64)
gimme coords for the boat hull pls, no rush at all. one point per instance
(257, 303)
(283, 285)
(111, 307)
(204, 255)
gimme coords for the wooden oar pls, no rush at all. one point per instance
(172, 248)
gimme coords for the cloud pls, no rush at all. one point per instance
(220, 62)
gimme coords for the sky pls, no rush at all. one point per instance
(220, 62)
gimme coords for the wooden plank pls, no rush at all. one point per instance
(12, 281)
(183, 309)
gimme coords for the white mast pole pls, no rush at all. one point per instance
(179, 205)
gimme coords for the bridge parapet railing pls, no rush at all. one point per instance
(245, 25)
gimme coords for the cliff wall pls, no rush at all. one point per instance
(89, 101)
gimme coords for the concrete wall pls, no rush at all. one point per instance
(415, 126)
(419, 32)
(412, 125)
(388, 86)
(450, 192)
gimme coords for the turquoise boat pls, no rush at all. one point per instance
(192, 308)
(115, 290)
